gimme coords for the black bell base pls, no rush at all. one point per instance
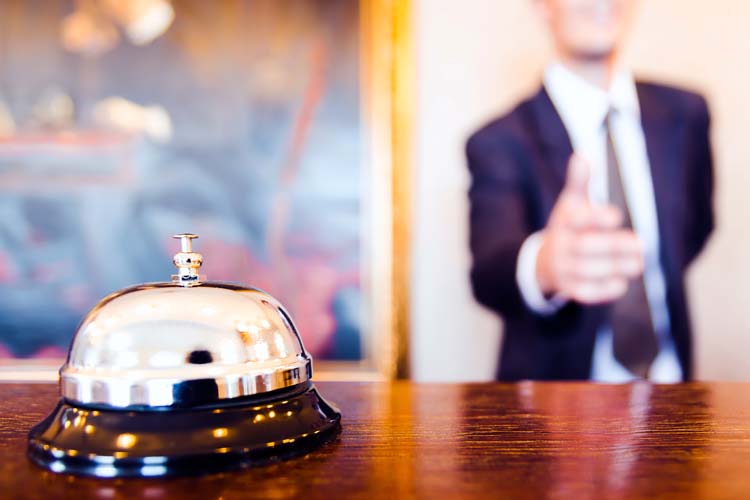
(116, 443)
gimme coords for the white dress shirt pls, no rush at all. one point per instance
(583, 108)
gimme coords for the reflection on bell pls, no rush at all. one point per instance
(183, 377)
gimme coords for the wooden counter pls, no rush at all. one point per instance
(528, 440)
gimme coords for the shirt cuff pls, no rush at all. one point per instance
(527, 282)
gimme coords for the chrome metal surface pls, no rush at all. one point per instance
(187, 261)
(165, 344)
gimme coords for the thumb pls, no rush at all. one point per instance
(577, 179)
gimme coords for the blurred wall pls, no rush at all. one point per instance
(478, 57)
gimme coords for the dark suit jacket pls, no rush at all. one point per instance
(518, 165)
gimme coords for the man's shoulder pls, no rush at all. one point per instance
(512, 127)
(677, 101)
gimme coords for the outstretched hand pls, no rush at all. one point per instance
(586, 255)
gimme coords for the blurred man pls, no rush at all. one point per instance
(589, 201)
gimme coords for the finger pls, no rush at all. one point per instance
(596, 292)
(607, 217)
(577, 177)
(602, 268)
(595, 243)
(580, 216)
(583, 215)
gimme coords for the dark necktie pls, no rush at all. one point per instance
(635, 344)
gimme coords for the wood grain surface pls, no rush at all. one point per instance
(404, 440)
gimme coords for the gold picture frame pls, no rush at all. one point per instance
(389, 96)
(387, 79)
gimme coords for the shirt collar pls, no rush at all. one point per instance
(583, 106)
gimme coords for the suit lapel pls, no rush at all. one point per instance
(553, 138)
(552, 143)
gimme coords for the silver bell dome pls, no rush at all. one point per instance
(185, 342)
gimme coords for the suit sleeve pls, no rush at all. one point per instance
(498, 221)
(700, 184)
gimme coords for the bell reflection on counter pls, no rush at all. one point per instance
(183, 377)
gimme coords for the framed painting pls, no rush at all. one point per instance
(279, 131)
